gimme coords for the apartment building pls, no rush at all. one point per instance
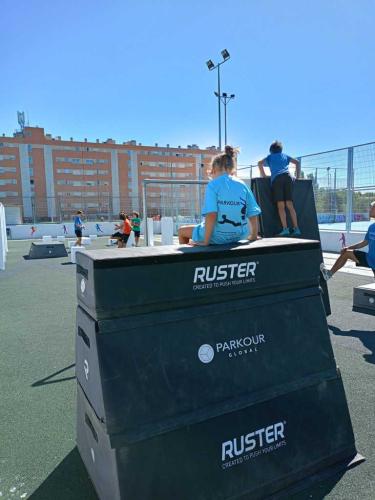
(49, 178)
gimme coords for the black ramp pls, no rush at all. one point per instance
(257, 451)
(304, 204)
(41, 250)
(130, 367)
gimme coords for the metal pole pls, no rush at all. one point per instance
(334, 196)
(219, 103)
(349, 190)
(145, 213)
(225, 121)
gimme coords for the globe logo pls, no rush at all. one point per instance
(83, 285)
(206, 353)
(371, 300)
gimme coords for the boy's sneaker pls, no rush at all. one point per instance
(327, 274)
(284, 232)
(296, 231)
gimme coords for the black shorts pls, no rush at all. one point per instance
(282, 188)
(78, 233)
(362, 259)
(125, 237)
(137, 234)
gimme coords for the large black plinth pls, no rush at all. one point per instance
(207, 373)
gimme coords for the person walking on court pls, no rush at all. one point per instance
(78, 225)
(136, 225)
(361, 259)
(229, 207)
(282, 185)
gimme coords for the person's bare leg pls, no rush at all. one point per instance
(79, 242)
(293, 215)
(282, 213)
(184, 234)
(342, 260)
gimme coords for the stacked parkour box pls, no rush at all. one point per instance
(304, 204)
(206, 373)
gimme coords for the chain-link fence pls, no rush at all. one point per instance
(181, 200)
(344, 186)
(62, 208)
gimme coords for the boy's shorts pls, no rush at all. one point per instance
(137, 234)
(282, 188)
(78, 233)
(125, 237)
(362, 259)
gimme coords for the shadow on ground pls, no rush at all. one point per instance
(69, 481)
(51, 380)
(365, 336)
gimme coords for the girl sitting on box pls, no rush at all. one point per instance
(230, 210)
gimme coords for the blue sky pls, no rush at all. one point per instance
(302, 71)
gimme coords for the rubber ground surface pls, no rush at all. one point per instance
(38, 457)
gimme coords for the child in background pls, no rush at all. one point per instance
(78, 227)
(124, 230)
(362, 259)
(136, 224)
(229, 207)
(282, 185)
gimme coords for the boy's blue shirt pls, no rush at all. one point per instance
(278, 164)
(233, 202)
(77, 222)
(370, 237)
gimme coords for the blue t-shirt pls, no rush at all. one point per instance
(370, 237)
(233, 202)
(278, 164)
(77, 222)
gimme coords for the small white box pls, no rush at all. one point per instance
(93, 236)
(86, 241)
(74, 250)
(47, 238)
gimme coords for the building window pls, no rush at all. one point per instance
(4, 194)
(4, 170)
(7, 157)
(4, 182)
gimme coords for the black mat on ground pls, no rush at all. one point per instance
(304, 204)
(41, 250)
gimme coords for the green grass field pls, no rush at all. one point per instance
(38, 456)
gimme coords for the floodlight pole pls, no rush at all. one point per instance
(225, 98)
(218, 102)
(226, 56)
